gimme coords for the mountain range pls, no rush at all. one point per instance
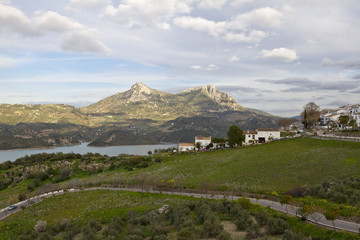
(141, 115)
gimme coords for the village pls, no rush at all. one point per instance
(261, 135)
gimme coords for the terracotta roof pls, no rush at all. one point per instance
(186, 144)
(202, 138)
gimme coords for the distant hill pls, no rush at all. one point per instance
(140, 115)
(142, 102)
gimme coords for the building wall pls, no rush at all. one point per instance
(268, 134)
(186, 148)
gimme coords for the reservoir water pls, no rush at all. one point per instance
(12, 155)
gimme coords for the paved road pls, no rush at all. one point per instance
(289, 209)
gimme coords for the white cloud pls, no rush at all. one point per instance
(151, 13)
(209, 4)
(90, 3)
(283, 54)
(7, 62)
(234, 59)
(262, 18)
(239, 3)
(83, 42)
(209, 67)
(201, 25)
(14, 20)
(253, 36)
(54, 22)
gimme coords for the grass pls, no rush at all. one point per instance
(103, 205)
(277, 166)
(81, 207)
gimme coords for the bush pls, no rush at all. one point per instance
(244, 202)
(212, 226)
(261, 217)
(40, 226)
(243, 221)
(253, 231)
(223, 236)
(276, 226)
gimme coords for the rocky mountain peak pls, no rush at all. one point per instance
(138, 92)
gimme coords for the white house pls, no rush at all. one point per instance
(352, 111)
(261, 135)
(184, 147)
(251, 137)
(204, 141)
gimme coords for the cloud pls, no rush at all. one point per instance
(306, 85)
(239, 3)
(227, 88)
(209, 67)
(357, 76)
(75, 34)
(83, 42)
(90, 3)
(242, 28)
(54, 22)
(234, 59)
(7, 62)
(14, 20)
(201, 25)
(211, 4)
(346, 64)
(262, 18)
(282, 54)
(151, 13)
(253, 36)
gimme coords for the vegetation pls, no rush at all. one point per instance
(104, 214)
(310, 115)
(235, 136)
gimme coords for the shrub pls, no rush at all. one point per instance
(40, 226)
(253, 231)
(261, 217)
(212, 226)
(223, 236)
(276, 226)
(244, 202)
(243, 221)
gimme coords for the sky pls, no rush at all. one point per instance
(273, 55)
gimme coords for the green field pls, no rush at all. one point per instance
(101, 206)
(278, 166)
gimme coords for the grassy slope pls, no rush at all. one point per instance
(278, 166)
(81, 207)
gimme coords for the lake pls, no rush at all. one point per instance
(12, 155)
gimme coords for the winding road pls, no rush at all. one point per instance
(316, 218)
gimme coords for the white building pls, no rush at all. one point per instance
(352, 111)
(204, 141)
(185, 147)
(261, 135)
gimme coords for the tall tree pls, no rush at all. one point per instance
(235, 136)
(344, 120)
(310, 115)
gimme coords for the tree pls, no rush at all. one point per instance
(353, 124)
(310, 115)
(235, 136)
(344, 120)
(285, 122)
(332, 214)
(286, 200)
(198, 145)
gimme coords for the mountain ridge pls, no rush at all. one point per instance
(139, 115)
